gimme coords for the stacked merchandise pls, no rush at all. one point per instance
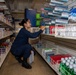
(4, 32)
(55, 13)
(56, 59)
(3, 48)
(38, 19)
(5, 18)
(66, 31)
(8, 15)
(47, 52)
(68, 66)
(34, 29)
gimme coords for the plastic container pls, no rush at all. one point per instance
(31, 58)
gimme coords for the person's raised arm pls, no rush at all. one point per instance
(35, 34)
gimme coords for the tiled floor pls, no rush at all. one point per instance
(12, 67)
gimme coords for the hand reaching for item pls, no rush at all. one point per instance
(42, 27)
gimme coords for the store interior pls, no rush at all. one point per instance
(55, 48)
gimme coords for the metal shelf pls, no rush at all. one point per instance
(3, 56)
(73, 38)
(6, 36)
(63, 37)
(5, 24)
(49, 34)
(51, 65)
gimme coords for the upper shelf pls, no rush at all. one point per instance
(10, 33)
(72, 38)
(4, 22)
(52, 35)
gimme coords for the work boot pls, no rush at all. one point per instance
(19, 59)
(26, 65)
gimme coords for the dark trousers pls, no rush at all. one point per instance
(23, 51)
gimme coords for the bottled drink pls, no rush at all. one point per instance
(70, 58)
(62, 65)
(71, 69)
(74, 73)
(67, 67)
(48, 59)
(62, 59)
(73, 57)
(75, 61)
(66, 58)
(68, 61)
(74, 65)
(71, 63)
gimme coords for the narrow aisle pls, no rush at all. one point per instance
(12, 67)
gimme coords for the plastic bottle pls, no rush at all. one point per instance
(70, 58)
(71, 69)
(31, 58)
(68, 61)
(71, 63)
(73, 57)
(74, 65)
(67, 64)
(74, 73)
(67, 67)
(66, 58)
(73, 60)
(62, 65)
(48, 59)
(62, 59)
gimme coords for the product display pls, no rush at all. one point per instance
(66, 31)
(56, 44)
(68, 66)
(56, 58)
(5, 32)
(47, 53)
(38, 19)
(4, 49)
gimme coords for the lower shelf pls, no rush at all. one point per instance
(54, 67)
(3, 56)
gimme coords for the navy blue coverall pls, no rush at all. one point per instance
(21, 46)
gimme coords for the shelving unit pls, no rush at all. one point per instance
(3, 56)
(64, 38)
(59, 14)
(51, 65)
(59, 49)
(73, 38)
(49, 34)
(5, 23)
(5, 31)
(6, 35)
